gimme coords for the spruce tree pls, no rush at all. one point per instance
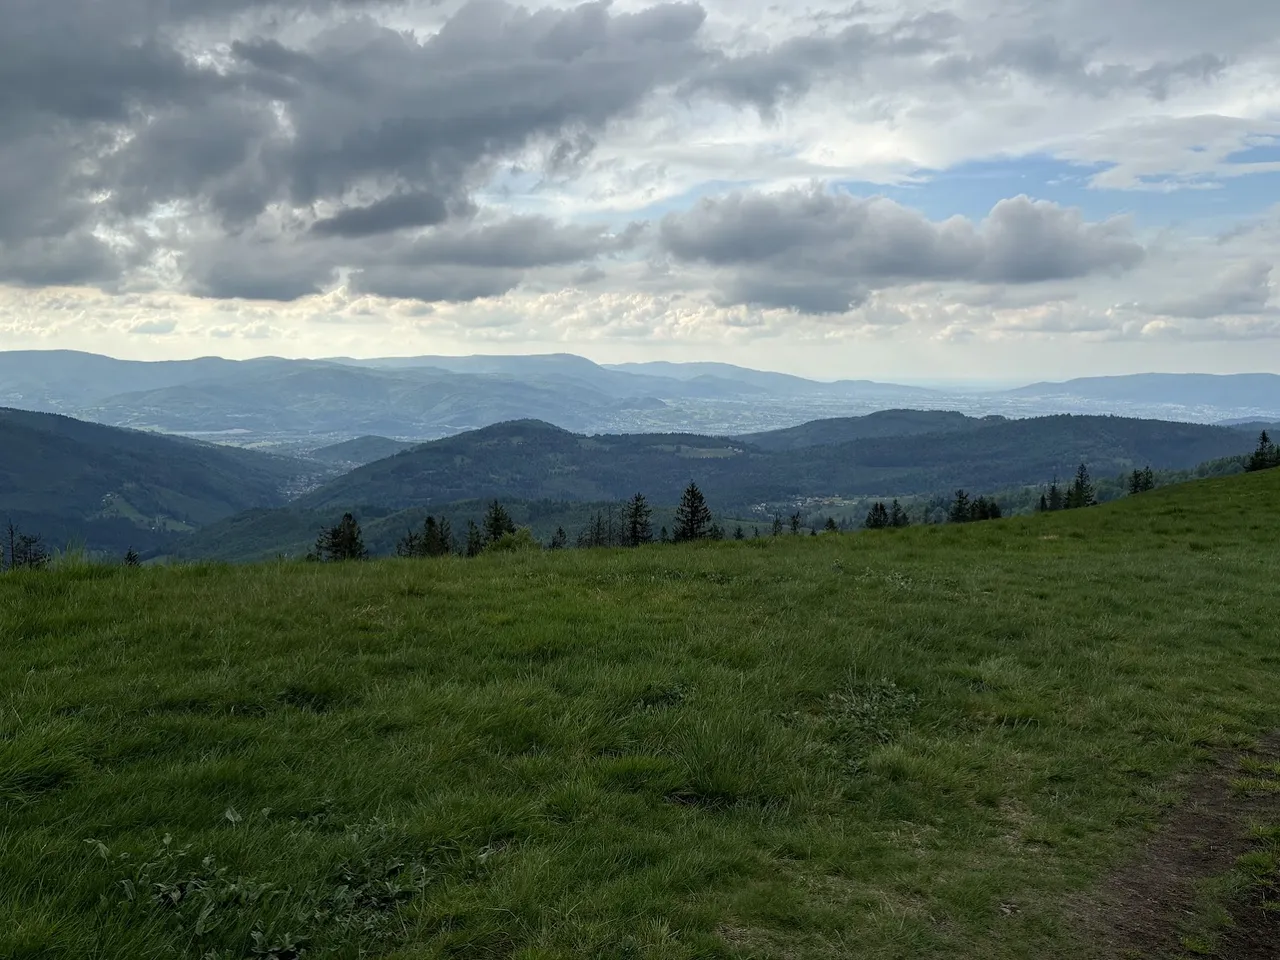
(693, 516)
(831, 525)
(1081, 492)
(443, 545)
(663, 536)
(961, 509)
(639, 524)
(897, 516)
(475, 540)
(877, 517)
(559, 540)
(739, 533)
(497, 522)
(795, 522)
(1055, 496)
(777, 525)
(1148, 479)
(410, 546)
(1266, 456)
(342, 542)
(1043, 505)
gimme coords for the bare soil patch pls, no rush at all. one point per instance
(1149, 905)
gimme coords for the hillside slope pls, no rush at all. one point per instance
(931, 743)
(530, 460)
(882, 423)
(111, 488)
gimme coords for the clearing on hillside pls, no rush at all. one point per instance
(937, 742)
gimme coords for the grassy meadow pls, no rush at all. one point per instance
(909, 744)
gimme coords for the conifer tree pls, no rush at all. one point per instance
(693, 516)
(434, 540)
(1266, 456)
(131, 558)
(24, 550)
(410, 545)
(795, 522)
(716, 532)
(877, 517)
(897, 516)
(831, 526)
(639, 524)
(1148, 479)
(497, 522)
(1055, 496)
(961, 509)
(777, 525)
(475, 540)
(664, 537)
(739, 533)
(1043, 505)
(1081, 492)
(443, 545)
(340, 543)
(559, 540)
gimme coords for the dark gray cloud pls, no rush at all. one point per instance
(76, 258)
(396, 212)
(455, 261)
(300, 140)
(111, 113)
(468, 262)
(790, 68)
(1049, 61)
(820, 251)
(259, 268)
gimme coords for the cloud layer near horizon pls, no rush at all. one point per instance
(694, 172)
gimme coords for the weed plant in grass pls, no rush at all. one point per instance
(918, 743)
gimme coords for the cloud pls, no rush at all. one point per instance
(396, 212)
(153, 327)
(820, 251)
(475, 261)
(116, 120)
(1241, 289)
(478, 151)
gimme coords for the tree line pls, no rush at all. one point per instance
(27, 551)
(497, 532)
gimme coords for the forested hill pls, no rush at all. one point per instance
(111, 488)
(533, 460)
(882, 423)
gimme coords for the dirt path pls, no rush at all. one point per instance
(1147, 907)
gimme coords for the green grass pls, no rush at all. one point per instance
(921, 743)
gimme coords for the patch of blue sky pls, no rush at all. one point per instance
(1266, 150)
(972, 189)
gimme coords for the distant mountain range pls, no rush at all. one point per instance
(530, 460)
(310, 404)
(111, 488)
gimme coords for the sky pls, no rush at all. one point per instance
(897, 189)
